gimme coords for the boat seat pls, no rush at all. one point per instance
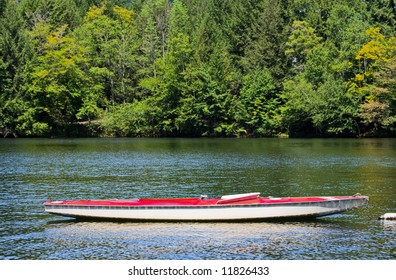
(237, 197)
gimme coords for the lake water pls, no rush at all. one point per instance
(36, 170)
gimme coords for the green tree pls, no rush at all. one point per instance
(345, 34)
(58, 81)
(266, 36)
(301, 42)
(376, 83)
(15, 48)
(327, 110)
(174, 65)
(383, 14)
(149, 50)
(108, 34)
(314, 13)
(295, 112)
(16, 54)
(131, 119)
(54, 12)
(259, 104)
(208, 108)
(334, 110)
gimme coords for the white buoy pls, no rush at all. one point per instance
(388, 216)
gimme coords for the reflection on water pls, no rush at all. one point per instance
(389, 224)
(35, 170)
(288, 240)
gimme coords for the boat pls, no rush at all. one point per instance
(237, 207)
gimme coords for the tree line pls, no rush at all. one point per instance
(252, 68)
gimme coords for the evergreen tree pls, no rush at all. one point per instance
(265, 46)
(55, 12)
(16, 54)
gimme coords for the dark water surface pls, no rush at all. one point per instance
(35, 170)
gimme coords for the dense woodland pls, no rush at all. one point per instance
(251, 68)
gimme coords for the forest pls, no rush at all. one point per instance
(197, 68)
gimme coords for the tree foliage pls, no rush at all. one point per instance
(198, 67)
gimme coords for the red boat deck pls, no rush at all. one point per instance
(192, 201)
